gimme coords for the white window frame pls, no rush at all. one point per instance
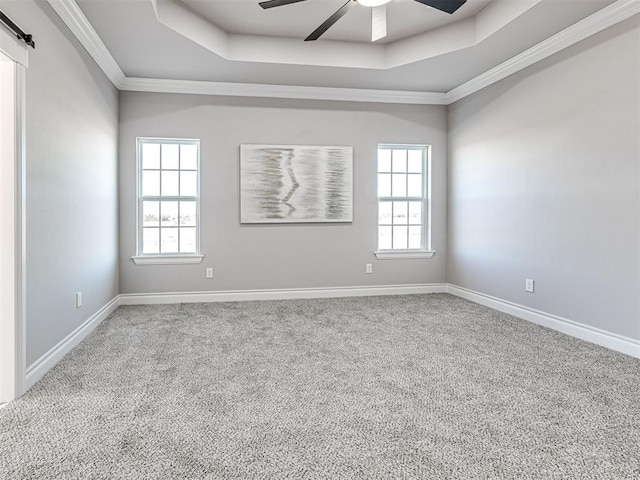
(425, 250)
(164, 258)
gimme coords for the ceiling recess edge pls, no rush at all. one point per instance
(80, 26)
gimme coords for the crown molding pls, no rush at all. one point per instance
(605, 18)
(282, 91)
(73, 17)
(77, 22)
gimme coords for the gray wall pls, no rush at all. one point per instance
(544, 182)
(71, 148)
(282, 256)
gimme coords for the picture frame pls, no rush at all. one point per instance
(296, 184)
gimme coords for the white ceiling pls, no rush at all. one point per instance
(236, 41)
(405, 18)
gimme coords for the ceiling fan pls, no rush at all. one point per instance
(378, 13)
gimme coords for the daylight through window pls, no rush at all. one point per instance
(168, 196)
(402, 197)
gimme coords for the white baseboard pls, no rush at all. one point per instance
(46, 362)
(279, 294)
(598, 336)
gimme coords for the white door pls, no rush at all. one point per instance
(10, 237)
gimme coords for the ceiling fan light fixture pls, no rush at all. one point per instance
(373, 3)
(378, 13)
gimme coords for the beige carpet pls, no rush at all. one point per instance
(424, 386)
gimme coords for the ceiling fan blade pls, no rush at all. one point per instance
(378, 22)
(328, 23)
(448, 6)
(277, 3)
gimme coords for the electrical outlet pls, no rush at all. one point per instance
(368, 268)
(78, 299)
(528, 285)
(209, 272)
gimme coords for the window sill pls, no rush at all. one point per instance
(402, 254)
(166, 259)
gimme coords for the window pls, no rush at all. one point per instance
(168, 201)
(403, 206)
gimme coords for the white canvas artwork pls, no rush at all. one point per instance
(296, 184)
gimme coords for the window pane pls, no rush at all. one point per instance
(189, 157)
(415, 213)
(384, 238)
(400, 238)
(415, 185)
(169, 214)
(170, 225)
(400, 160)
(406, 180)
(188, 214)
(170, 153)
(414, 161)
(384, 160)
(399, 187)
(187, 240)
(151, 155)
(384, 185)
(169, 240)
(400, 213)
(150, 183)
(150, 214)
(189, 184)
(384, 213)
(170, 184)
(150, 240)
(415, 237)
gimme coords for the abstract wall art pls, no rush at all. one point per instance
(296, 184)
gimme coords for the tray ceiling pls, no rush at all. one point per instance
(236, 41)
